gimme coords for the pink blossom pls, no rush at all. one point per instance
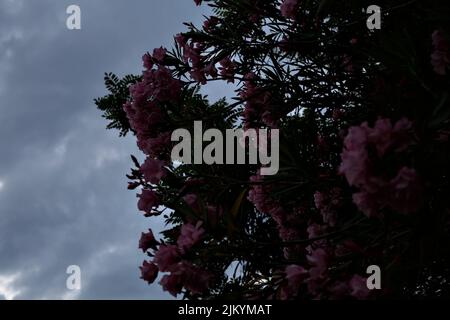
(190, 235)
(318, 258)
(288, 233)
(193, 55)
(198, 75)
(172, 284)
(295, 275)
(406, 195)
(440, 58)
(210, 23)
(159, 54)
(149, 272)
(148, 61)
(159, 145)
(358, 287)
(192, 201)
(315, 230)
(148, 199)
(147, 241)
(166, 256)
(377, 191)
(402, 134)
(180, 39)
(227, 69)
(385, 136)
(338, 290)
(355, 157)
(328, 204)
(319, 200)
(193, 278)
(366, 203)
(211, 70)
(357, 137)
(381, 135)
(289, 8)
(163, 86)
(153, 170)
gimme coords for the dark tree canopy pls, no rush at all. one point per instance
(364, 171)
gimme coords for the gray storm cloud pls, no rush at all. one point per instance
(63, 197)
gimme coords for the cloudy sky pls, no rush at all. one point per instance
(63, 197)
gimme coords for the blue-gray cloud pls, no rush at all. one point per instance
(63, 197)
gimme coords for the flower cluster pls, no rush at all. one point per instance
(169, 258)
(146, 110)
(364, 150)
(258, 108)
(328, 205)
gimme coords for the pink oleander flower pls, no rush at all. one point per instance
(211, 70)
(164, 86)
(198, 75)
(402, 134)
(180, 40)
(149, 272)
(358, 287)
(148, 61)
(278, 214)
(338, 290)
(159, 54)
(193, 278)
(192, 201)
(227, 69)
(289, 8)
(319, 200)
(166, 256)
(366, 203)
(379, 191)
(385, 136)
(381, 135)
(148, 200)
(193, 55)
(440, 58)
(159, 145)
(189, 236)
(210, 23)
(147, 241)
(328, 204)
(288, 233)
(172, 284)
(143, 117)
(406, 194)
(153, 170)
(315, 230)
(295, 275)
(318, 258)
(355, 156)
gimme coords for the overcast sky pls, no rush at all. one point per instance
(63, 196)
